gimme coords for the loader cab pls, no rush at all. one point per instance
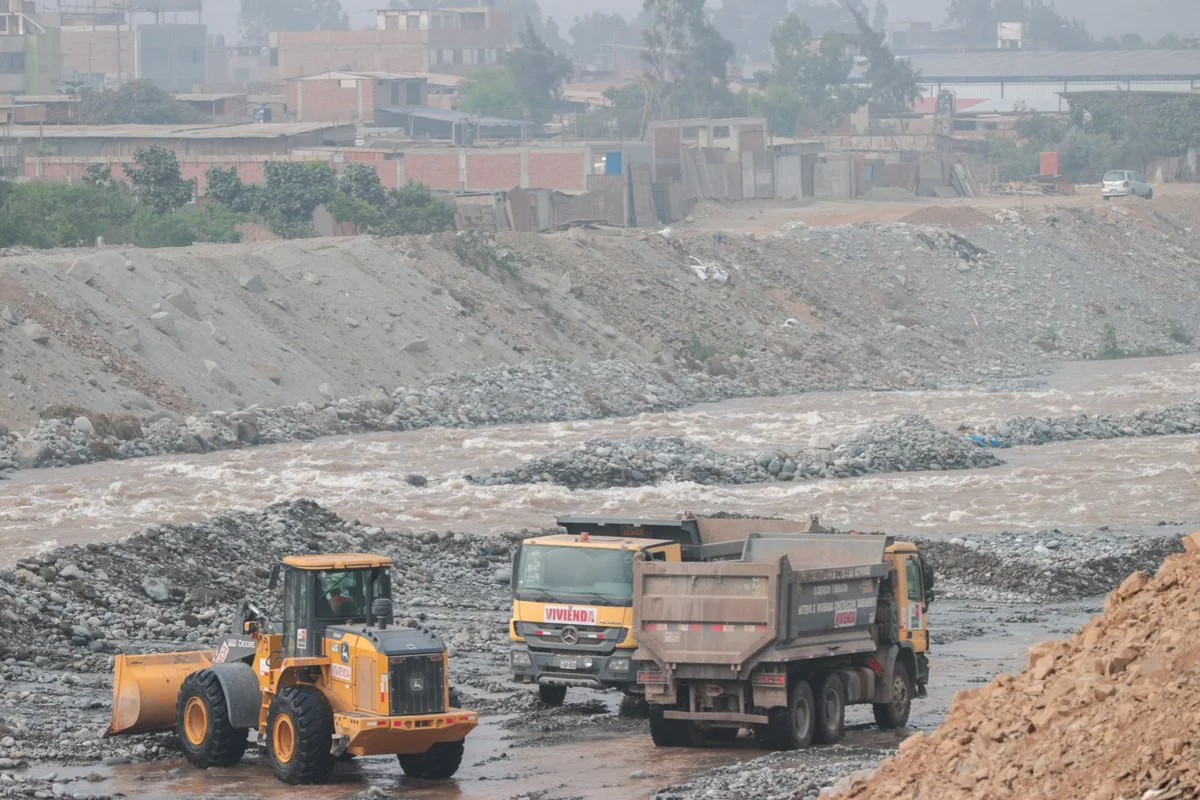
(324, 590)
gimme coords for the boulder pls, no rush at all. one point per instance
(156, 589)
(32, 453)
(84, 425)
(379, 399)
(252, 283)
(417, 346)
(182, 300)
(35, 332)
(82, 271)
(219, 378)
(164, 322)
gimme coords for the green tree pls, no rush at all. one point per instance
(978, 20)
(808, 90)
(364, 216)
(591, 34)
(361, 182)
(893, 82)
(539, 74)
(492, 91)
(260, 17)
(748, 26)
(413, 209)
(225, 186)
(60, 215)
(157, 181)
(99, 175)
(292, 192)
(686, 61)
(138, 102)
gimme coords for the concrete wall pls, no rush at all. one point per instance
(298, 53)
(333, 100)
(13, 58)
(484, 170)
(172, 57)
(103, 51)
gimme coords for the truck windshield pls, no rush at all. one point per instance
(594, 575)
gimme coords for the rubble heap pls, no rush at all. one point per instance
(907, 444)
(1110, 713)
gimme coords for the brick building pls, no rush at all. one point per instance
(447, 40)
(352, 96)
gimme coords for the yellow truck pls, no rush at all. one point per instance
(572, 623)
(782, 639)
(335, 677)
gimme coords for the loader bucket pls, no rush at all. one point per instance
(146, 689)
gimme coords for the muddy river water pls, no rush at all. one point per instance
(1070, 485)
(1131, 483)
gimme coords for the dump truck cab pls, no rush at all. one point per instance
(573, 610)
(334, 676)
(573, 593)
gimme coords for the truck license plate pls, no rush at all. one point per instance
(568, 663)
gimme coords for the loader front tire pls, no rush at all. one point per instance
(300, 735)
(552, 696)
(202, 719)
(894, 714)
(436, 764)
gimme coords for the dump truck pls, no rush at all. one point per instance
(572, 622)
(334, 678)
(782, 639)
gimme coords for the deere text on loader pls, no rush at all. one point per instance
(335, 677)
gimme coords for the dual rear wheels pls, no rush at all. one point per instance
(819, 714)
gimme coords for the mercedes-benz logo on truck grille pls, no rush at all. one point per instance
(570, 635)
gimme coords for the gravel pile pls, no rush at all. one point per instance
(1108, 713)
(1051, 565)
(908, 444)
(800, 775)
(1180, 418)
(541, 391)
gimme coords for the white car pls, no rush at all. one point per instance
(1125, 183)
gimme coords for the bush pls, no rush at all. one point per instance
(1180, 334)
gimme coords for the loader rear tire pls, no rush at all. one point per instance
(202, 719)
(894, 714)
(831, 710)
(552, 696)
(436, 764)
(300, 735)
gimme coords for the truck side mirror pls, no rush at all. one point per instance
(273, 581)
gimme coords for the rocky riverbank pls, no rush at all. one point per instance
(909, 444)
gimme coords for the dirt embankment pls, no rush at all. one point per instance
(872, 305)
(1110, 713)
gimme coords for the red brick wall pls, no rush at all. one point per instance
(493, 171)
(563, 171)
(435, 170)
(329, 101)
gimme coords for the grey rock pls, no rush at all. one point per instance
(182, 300)
(32, 453)
(164, 322)
(84, 425)
(34, 332)
(416, 346)
(252, 283)
(156, 589)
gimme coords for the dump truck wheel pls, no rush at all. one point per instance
(300, 735)
(792, 728)
(723, 735)
(436, 764)
(892, 715)
(202, 715)
(831, 710)
(667, 732)
(634, 706)
(552, 695)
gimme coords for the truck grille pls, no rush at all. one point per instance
(417, 685)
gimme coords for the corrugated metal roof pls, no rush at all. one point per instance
(994, 65)
(208, 97)
(268, 130)
(448, 115)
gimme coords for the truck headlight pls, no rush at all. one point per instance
(618, 665)
(520, 658)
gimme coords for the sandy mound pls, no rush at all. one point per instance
(1112, 713)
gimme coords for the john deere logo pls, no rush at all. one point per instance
(345, 653)
(416, 684)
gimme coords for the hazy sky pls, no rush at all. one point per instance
(1151, 18)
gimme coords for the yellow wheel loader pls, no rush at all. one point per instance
(335, 677)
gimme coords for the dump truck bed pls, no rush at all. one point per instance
(789, 597)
